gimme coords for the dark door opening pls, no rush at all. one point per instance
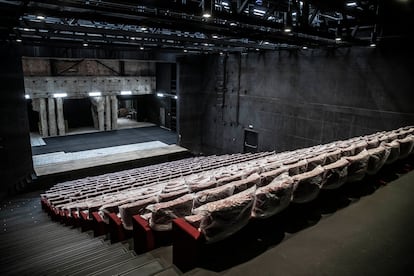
(251, 141)
(77, 113)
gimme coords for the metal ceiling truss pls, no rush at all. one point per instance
(189, 25)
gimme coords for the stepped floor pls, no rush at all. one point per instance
(30, 243)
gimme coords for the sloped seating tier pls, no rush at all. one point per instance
(161, 193)
(93, 186)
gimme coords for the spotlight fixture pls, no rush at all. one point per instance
(373, 42)
(141, 47)
(288, 22)
(207, 8)
(18, 40)
(94, 94)
(27, 96)
(176, 97)
(304, 47)
(338, 38)
(40, 17)
(351, 4)
(126, 92)
(185, 50)
(60, 95)
(85, 44)
(214, 36)
(161, 95)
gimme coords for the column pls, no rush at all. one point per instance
(108, 112)
(99, 102)
(60, 118)
(52, 116)
(43, 117)
(114, 102)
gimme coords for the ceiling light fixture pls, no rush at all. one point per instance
(85, 44)
(161, 95)
(338, 39)
(94, 94)
(40, 17)
(27, 96)
(126, 92)
(351, 4)
(287, 30)
(206, 15)
(60, 95)
(304, 47)
(18, 40)
(141, 48)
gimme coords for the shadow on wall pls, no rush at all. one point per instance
(260, 235)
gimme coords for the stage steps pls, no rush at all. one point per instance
(31, 244)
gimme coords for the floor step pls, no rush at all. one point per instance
(132, 267)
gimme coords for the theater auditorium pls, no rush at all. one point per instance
(206, 137)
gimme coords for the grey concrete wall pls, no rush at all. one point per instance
(15, 150)
(301, 99)
(78, 87)
(86, 67)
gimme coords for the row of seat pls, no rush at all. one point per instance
(79, 191)
(220, 200)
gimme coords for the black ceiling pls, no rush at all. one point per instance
(233, 25)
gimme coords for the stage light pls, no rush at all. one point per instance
(95, 94)
(60, 95)
(126, 92)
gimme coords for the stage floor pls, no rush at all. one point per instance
(82, 151)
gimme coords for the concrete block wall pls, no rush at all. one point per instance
(299, 99)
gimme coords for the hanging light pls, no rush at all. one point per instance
(207, 10)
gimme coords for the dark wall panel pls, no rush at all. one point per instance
(15, 151)
(299, 99)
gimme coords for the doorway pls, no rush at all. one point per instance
(251, 141)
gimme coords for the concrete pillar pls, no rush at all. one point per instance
(101, 114)
(43, 118)
(99, 102)
(52, 116)
(60, 118)
(114, 107)
(94, 116)
(107, 113)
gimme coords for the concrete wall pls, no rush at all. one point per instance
(296, 99)
(78, 87)
(86, 67)
(15, 150)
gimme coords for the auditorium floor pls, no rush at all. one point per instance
(372, 235)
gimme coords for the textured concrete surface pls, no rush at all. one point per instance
(293, 99)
